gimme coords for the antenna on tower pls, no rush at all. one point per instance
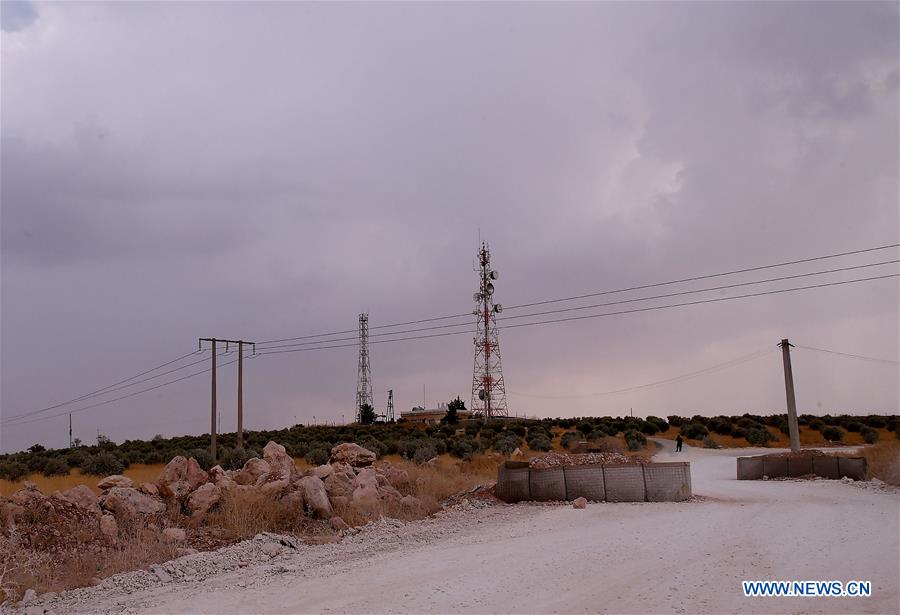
(364, 375)
(488, 389)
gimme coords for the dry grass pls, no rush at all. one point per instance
(137, 472)
(884, 461)
(244, 514)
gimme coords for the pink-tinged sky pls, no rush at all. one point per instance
(172, 171)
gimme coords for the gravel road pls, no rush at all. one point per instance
(610, 558)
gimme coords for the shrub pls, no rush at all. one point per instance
(694, 431)
(103, 463)
(425, 451)
(661, 424)
(759, 435)
(463, 447)
(721, 426)
(708, 442)
(817, 425)
(316, 456)
(76, 457)
(833, 434)
(55, 467)
(649, 428)
(854, 426)
(569, 438)
(506, 443)
(585, 427)
(675, 420)
(203, 457)
(634, 439)
(540, 443)
(870, 436)
(13, 471)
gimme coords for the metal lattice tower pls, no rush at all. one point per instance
(488, 389)
(364, 375)
(389, 413)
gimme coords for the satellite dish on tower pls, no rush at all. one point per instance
(489, 288)
(495, 275)
(498, 308)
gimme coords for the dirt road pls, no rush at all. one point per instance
(612, 558)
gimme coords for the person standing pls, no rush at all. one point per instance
(678, 442)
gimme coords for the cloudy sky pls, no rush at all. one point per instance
(264, 171)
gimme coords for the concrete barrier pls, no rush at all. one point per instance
(650, 482)
(667, 482)
(548, 485)
(585, 482)
(778, 466)
(513, 482)
(749, 468)
(624, 483)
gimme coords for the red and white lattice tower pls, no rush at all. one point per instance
(488, 390)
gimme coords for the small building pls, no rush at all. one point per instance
(431, 416)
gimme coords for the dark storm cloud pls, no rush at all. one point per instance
(17, 15)
(271, 170)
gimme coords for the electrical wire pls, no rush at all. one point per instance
(847, 354)
(718, 367)
(597, 305)
(593, 294)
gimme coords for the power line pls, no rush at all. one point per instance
(597, 305)
(852, 356)
(593, 294)
(718, 367)
(109, 401)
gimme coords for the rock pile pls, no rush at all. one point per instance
(554, 459)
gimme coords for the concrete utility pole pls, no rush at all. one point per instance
(240, 391)
(70, 430)
(793, 427)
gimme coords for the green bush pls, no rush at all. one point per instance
(635, 439)
(870, 436)
(203, 457)
(570, 438)
(13, 471)
(540, 443)
(694, 431)
(103, 463)
(649, 428)
(424, 452)
(675, 420)
(854, 426)
(55, 467)
(833, 434)
(758, 435)
(506, 443)
(708, 442)
(317, 456)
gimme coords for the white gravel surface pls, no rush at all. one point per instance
(685, 557)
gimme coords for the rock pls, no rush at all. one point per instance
(408, 501)
(29, 597)
(180, 477)
(279, 461)
(323, 471)
(365, 492)
(82, 497)
(174, 534)
(8, 512)
(182, 551)
(316, 497)
(252, 471)
(274, 488)
(353, 455)
(517, 452)
(271, 548)
(338, 485)
(338, 524)
(217, 474)
(29, 496)
(294, 500)
(204, 498)
(126, 501)
(148, 488)
(116, 480)
(109, 529)
(395, 476)
(579, 503)
(161, 574)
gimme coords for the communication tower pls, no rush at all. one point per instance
(488, 389)
(364, 373)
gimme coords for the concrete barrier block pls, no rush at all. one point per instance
(775, 467)
(513, 483)
(749, 468)
(548, 485)
(624, 483)
(826, 467)
(667, 482)
(800, 466)
(585, 482)
(854, 467)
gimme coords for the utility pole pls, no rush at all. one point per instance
(793, 428)
(240, 401)
(70, 430)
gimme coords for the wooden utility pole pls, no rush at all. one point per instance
(793, 428)
(70, 430)
(240, 402)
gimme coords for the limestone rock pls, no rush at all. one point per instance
(252, 471)
(279, 461)
(365, 492)
(173, 534)
(109, 528)
(353, 455)
(394, 476)
(294, 500)
(273, 488)
(579, 503)
(29, 597)
(204, 498)
(126, 501)
(180, 477)
(116, 480)
(271, 548)
(338, 524)
(316, 497)
(323, 471)
(148, 488)
(29, 496)
(338, 485)
(82, 497)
